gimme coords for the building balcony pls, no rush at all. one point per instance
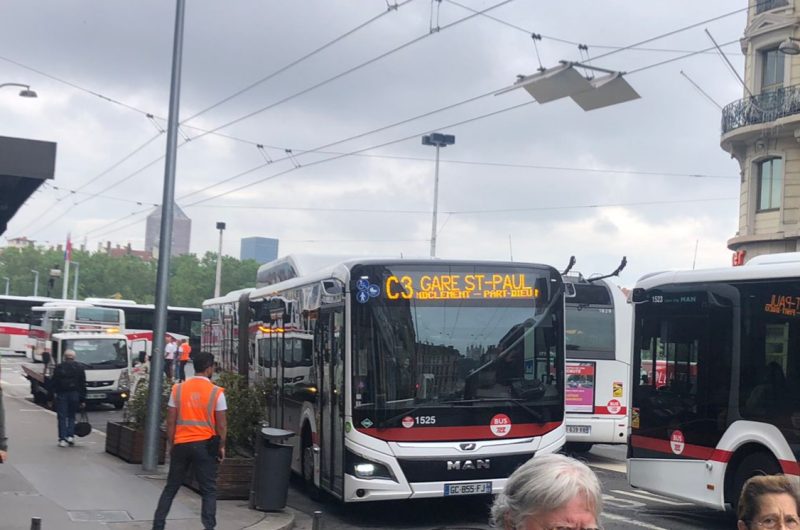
(766, 5)
(763, 108)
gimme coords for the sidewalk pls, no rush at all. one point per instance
(82, 487)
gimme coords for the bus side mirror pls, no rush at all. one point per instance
(639, 295)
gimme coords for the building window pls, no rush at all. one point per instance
(770, 184)
(771, 70)
(766, 5)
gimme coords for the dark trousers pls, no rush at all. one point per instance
(168, 367)
(205, 469)
(66, 407)
(182, 370)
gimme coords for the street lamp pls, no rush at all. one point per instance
(8, 282)
(26, 91)
(217, 283)
(35, 282)
(438, 140)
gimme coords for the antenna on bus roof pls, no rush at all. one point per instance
(572, 262)
(615, 273)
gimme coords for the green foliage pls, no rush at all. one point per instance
(104, 276)
(246, 409)
(136, 408)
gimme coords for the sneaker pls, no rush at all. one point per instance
(62, 443)
(71, 440)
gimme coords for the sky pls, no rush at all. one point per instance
(524, 181)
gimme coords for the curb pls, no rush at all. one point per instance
(286, 521)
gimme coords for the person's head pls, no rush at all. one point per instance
(549, 491)
(69, 355)
(203, 363)
(767, 502)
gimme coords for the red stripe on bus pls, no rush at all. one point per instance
(472, 432)
(8, 330)
(789, 467)
(604, 410)
(698, 452)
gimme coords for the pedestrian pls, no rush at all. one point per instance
(169, 356)
(768, 501)
(549, 491)
(69, 386)
(3, 439)
(196, 431)
(185, 355)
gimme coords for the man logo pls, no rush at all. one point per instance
(467, 465)
(468, 446)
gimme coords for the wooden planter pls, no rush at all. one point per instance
(234, 476)
(124, 441)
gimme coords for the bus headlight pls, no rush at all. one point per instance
(367, 469)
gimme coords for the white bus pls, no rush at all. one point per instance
(15, 317)
(715, 364)
(53, 317)
(404, 378)
(598, 348)
(182, 323)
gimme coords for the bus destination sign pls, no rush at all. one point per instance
(786, 305)
(459, 286)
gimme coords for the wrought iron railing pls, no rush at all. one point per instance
(766, 5)
(763, 108)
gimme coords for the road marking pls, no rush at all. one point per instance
(652, 497)
(617, 468)
(634, 522)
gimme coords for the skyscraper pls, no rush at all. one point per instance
(261, 249)
(181, 232)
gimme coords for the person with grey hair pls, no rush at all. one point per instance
(69, 385)
(549, 492)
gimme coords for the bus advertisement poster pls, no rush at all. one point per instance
(580, 387)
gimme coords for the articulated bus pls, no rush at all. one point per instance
(715, 360)
(182, 322)
(598, 346)
(404, 378)
(58, 315)
(15, 317)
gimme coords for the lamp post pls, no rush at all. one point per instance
(438, 140)
(35, 282)
(26, 91)
(8, 282)
(75, 282)
(218, 282)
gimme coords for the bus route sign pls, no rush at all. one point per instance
(458, 286)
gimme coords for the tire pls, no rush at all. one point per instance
(307, 469)
(760, 463)
(578, 447)
(118, 405)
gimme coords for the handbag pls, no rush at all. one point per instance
(83, 427)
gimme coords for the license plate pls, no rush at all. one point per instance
(579, 429)
(473, 488)
(96, 395)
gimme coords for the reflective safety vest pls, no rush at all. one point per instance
(196, 401)
(186, 352)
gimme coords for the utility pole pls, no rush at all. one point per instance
(35, 282)
(218, 282)
(153, 420)
(75, 282)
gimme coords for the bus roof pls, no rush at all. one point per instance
(32, 299)
(340, 271)
(123, 304)
(785, 267)
(232, 296)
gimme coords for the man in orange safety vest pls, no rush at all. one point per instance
(196, 432)
(185, 354)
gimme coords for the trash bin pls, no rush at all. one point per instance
(272, 470)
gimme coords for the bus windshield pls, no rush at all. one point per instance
(456, 336)
(97, 314)
(100, 354)
(589, 330)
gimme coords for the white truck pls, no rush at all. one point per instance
(105, 356)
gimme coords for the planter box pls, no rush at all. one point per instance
(234, 476)
(124, 441)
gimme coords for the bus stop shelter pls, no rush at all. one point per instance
(24, 166)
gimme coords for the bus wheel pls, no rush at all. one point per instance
(308, 469)
(578, 447)
(759, 463)
(119, 404)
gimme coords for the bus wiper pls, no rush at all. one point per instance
(516, 401)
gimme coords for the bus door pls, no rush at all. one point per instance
(329, 350)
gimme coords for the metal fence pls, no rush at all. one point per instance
(763, 108)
